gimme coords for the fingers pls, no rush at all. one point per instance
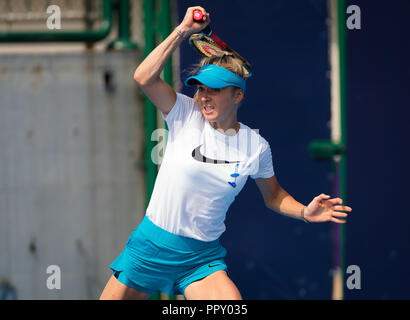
(336, 201)
(193, 25)
(342, 208)
(340, 211)
(335, 211)
(191, 10)
(339, 214)
(322, 197)
(333, 219)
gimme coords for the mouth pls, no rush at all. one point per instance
(208, 109)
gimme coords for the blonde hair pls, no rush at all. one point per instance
(226, 60)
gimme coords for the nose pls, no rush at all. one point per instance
(204, 94)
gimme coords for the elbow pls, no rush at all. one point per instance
(139, 79)
(143, 80)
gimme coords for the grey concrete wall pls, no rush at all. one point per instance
(71, 169)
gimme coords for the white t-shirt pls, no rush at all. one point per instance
(202, 171)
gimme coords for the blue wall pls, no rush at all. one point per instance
(378, 87)
(271, 256)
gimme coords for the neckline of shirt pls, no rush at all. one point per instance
(217, 133)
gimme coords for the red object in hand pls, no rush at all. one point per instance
(198, 15)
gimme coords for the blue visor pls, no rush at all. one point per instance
(216, 77)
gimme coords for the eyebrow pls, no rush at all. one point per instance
(203, 86)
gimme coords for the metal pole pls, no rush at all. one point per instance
(157, 26)
(341, 26)
(335, 148)
(124, 41)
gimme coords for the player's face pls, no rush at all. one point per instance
(218, 104)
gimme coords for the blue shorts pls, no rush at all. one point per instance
(157, 260)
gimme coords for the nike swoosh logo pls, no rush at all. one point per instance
(213, 265)
(197, 155)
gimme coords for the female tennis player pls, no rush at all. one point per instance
(208, 158)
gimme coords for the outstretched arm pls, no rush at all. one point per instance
(321, 209)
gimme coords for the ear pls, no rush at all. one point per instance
(238, 97)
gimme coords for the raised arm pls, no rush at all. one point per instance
(147, 75)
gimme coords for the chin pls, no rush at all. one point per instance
(210, 117)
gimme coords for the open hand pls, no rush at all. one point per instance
(323, 209)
